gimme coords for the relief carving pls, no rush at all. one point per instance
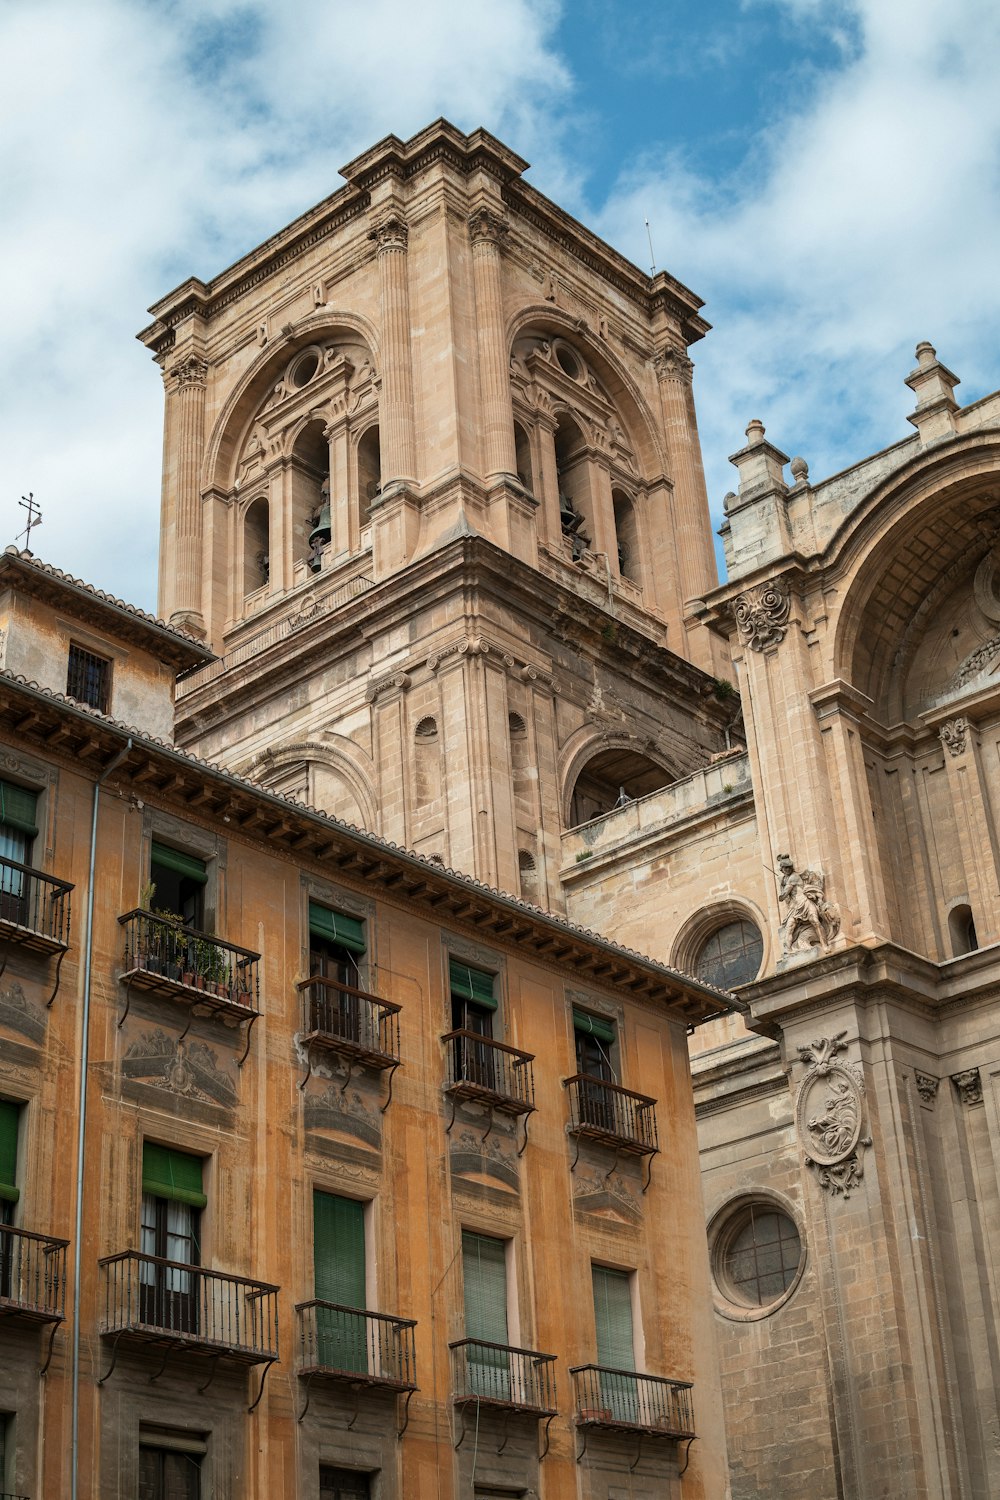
(671, 364)
(977, 662)
(762, 614)
(342, 1111)
(927, 1085)
(188, 1068)
(969, 1085)
(189, 372)
(829, 1115)
(810, 921)
(955, 735)
(21, 1014)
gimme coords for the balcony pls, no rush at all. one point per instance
(178, 1307)
(490, 1073)
(612, 1116)
(32, 1279)
(194, 968)
(34, 908)
(353, 1347)
(501, 1376)
(350, 1023)
(623, 1401)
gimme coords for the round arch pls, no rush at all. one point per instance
(624, 752)
(702, 924)
(343, 759)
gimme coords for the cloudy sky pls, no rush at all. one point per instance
(825, 173)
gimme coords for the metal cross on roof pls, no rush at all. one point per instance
(27, 502)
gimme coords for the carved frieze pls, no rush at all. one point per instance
(969, 1086)
(829, 1115)
(810, 920)
(975, 663)
(761, 614)
(187, 1068)
(955, 736)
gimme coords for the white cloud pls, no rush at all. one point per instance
(864, 219)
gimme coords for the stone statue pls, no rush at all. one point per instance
(810, 921)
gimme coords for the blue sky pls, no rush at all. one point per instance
(825, 173)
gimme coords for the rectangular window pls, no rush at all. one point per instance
(473, 1004)
(179, 882)
(595, 1038)
(170, 1464)
(340, 1272)
(615, 1341)
(18, 832)
(336, 949)
(484, 1278)
(172, 1200)
(343, 1484)
(10, 1118)
(88, 678)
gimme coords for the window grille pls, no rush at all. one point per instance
(89, 678)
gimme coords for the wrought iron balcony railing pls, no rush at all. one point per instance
(618, 1117)
(34, 907)
(631, 1402)
(32, 1275)
(156, 1300)
(164, 956)
(355, 1346)
(492, 1072)
(501, 1375)
(350, 1022)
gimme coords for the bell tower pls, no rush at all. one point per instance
(432, 491)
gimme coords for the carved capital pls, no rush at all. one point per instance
(671, 364)
(761, 614)
(927, 1085)
(969, 1085)
(392, 682)
(955, 736)
(189, 372)
(487, 227)
(391, 234)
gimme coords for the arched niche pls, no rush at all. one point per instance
(336, 779)
(576, 499)
(369, 471)
(310, 487)
(256, 545)
(627, 537)
(612, 777)
(523, 457)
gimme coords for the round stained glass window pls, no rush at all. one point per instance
(731, 956)
(758, 1256)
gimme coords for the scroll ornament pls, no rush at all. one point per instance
(829, 1115)
(954, 735)
(762, 614)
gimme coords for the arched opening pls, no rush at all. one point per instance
(256, 546)
(527, 874)
(369, 470)
(310, 480)
(520, 765)
(613, 779)
(522, 457)
(962, 930)
(427, 758)
(573, 472)
(627, 537)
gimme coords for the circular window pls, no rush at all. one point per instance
(757, 1258)
(304, 371)
(568, 361)
(731, 955)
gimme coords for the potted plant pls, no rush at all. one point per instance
(213, 967)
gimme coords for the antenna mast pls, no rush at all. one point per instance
(27, 502)
(652, 257)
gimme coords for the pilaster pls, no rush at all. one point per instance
(186, 387)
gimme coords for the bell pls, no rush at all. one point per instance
(320, 534)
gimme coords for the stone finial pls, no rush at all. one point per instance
(755, 432)
(800, 471)
(933, 384)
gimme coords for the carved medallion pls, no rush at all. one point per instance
(829, 1115)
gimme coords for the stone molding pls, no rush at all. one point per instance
(955, 736)
(969, 1086)
(832, 1136)
(761, 614)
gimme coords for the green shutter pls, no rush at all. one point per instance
(471, 984)
(172, 1174)
(17, 808)
(613, 1315)
(339, 1263)
(181, 864)
(484, 1273)
(593, 1025)
(10, 1114)
(334, 927)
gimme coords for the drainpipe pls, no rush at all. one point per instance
(88, 950)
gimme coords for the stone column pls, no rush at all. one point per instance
(396, 405)
(692, 531)
(186, 393)
(487, 231)
(547, 481)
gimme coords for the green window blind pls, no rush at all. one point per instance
(334, 927)
(172, 1174)
(593, 1025)
(10, 1114)
(613, 1315)
(17, 808)
(484, 1273)
(339, 1249)
(471, 984)
(181, 864)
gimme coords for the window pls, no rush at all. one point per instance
(615, 1341)
(172, 1200)
(170, 1463)
(340, 1278)
(473, 1004)
(336, 948)
(595, 1037)
(18, 831)
(484, 1277)
(757, 1256)
(962, 929)
(343, 1484)
(178, 882)
(731, 955)
(10, 1119)
(88, 678)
